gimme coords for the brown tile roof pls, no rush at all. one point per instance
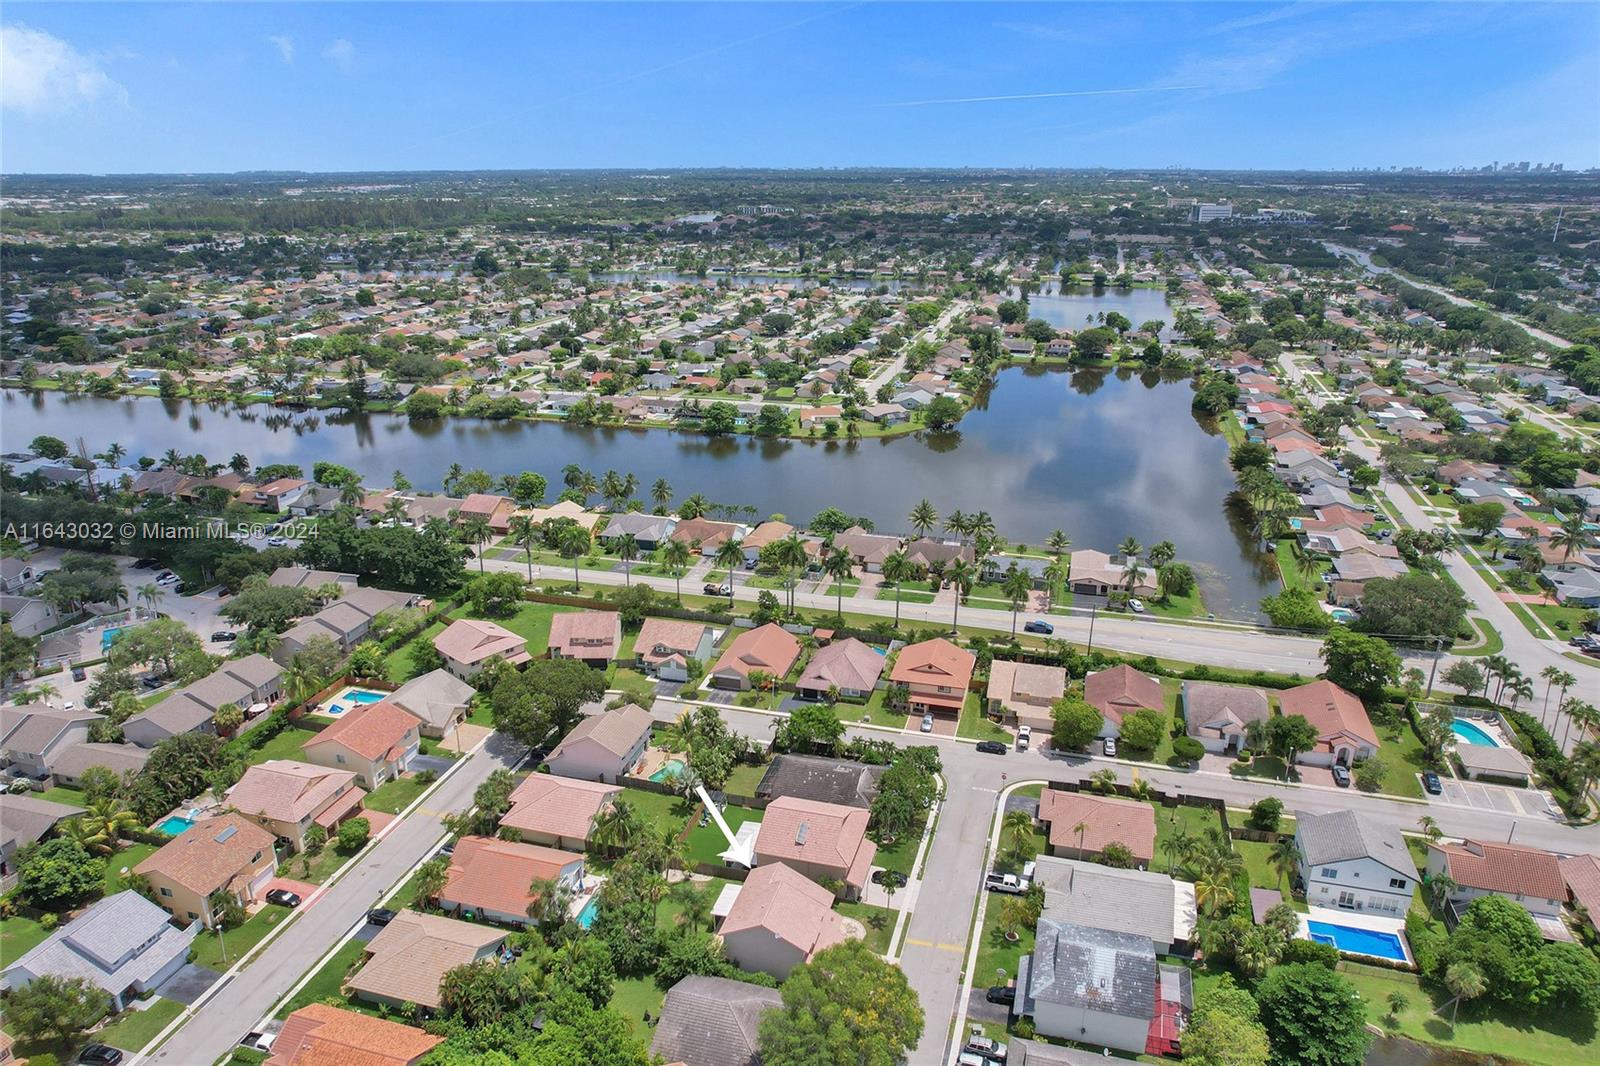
(782, 901)
(209, 854)
(934, 662)
(559, 806)
(1106, 819)
(673, 637)
(586, 634)
(770, 647)
(1122, 690)
(1582, 874)
(826, 834)
(409, 956)
(371, 730)
(494, 875)
(471, 640)
(1506, 868)
(287, 791)
(320, 1035)
(1330, 709)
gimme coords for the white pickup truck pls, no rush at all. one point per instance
(999, 882)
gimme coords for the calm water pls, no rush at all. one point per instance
(672, 277)
(1101, 455)
(1082, 306)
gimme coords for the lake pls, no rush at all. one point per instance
(1082, 306)
(1103, 455)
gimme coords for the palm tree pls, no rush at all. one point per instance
(1285, 857)
(923, 517)
(730, 555)
(1572, 536)
(395, 511)
(1162, 553)
(477, 531)
(1465, 981)
(627, 551)
(981, 528)
(99, 829)
(693, 506)
(573, 543)
(1438, 888)
(794, 559)
(1132, 572)
(959, 524)
(675, 555)
(1057, 542)
(1430, 827)
(149, 595)
(896, 569)
(351, 493)
(1129, 546)
(1520, 689)
(1016, 587)
(1018, 830)
(694, 904)
(525, 534)
(1584, 714)
(961, 576)
(114, 454)
(661, 493)
(617, 825)
(1493, 666)
(1549, 675)
(1564, 681)
(841, 566)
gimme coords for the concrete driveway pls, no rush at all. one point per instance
(188, 984)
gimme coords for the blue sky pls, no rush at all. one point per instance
(224, 87)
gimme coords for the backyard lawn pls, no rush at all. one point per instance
(1553, 1038)
(136, 1028)
(706, 842)
(633, 997)
(130, 856)
(62, 794)
(1403, 759)
(658, 811)
(745, 778)
(286, 745)
(400, 665)
(1197, 820)
(19, 935)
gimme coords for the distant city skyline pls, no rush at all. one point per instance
(156, 88)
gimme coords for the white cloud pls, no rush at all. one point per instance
(284, 45)
(41, 74)
(342, 54)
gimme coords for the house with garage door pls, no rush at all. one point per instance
(664, 647)
(1344, 732)
(848, 668)
(287, 798)
(1353, 863)
(228, 853)
(823, 841)
(768, 649)
(936, 675)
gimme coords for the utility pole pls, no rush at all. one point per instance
(1438, 649)
(1092, 613)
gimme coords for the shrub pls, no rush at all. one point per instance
(353, 834)
(1188, 749)
(1266, 814)
(1310, 951)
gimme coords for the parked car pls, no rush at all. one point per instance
(224, 636)
(1024, 735)
(1001, 994)
(284, 898)
(380, 916)
(1430, 783)
(99, 1055)
(1109, 746)
(1136, 606)
(927, 723)
(1038, 626)
(1341, 777)
(983, 1045)
(992, 747)
(711, 588)
(146, 564)
(151, 682)
(1008, 883)
(256, 1040)
(277, 542)
(78, 673)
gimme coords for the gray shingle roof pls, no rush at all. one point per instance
(712, 1021)
(816, 777)
(1095, 969)
(1123, 901)
(119, 941)
(1344, 835)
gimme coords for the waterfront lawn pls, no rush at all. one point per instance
(1551, 1037)
(706, 842)
(1186, 606)
(394, 796)
(1297, 570)
(877, 921)
(136, 1028)
(975, 725)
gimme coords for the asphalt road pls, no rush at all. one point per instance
(248, 997)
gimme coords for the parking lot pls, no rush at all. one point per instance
(1499, 798)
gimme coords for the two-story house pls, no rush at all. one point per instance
(936, 675)
(1353, 863)
(375, 741)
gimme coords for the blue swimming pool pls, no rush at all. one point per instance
(1473, 733)
(173, 824)
(350, 699)
(670, 768)
(1358, 941)
(586, 916)
(109, 636)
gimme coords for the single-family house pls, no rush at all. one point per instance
(777, 920)
(228, 853)
(317, 1034)
(492, 878)
(936, 675)
(1344, 732)
(1102, 988)
(769, 649)
(664, 647)
(557, 812)
(591, 637)
(603, 747)
(712, 1021)
(1142, 902)
(1529, 876)
(1218, 716)
(69, 763)
(848, 668)
(1354, 863)
(251, 684)
(375, 741)
(821, 778)
(823, 841)
(409, 957)
(122, 944)
(1021, 694)
(32, 734)
(1119, 692)
(287, 798)
(437, 699)
(706, 536)
(26, 820)
(467, 643)
(1094, 573)
(649, 531)
(1080, 825)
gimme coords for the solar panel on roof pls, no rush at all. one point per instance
(226, 834)
(801, 833)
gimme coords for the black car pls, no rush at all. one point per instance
(1037, 626)
(1001, 994)
(991, 747)
(99, 1055)
(1430, 783)
(224, 636)
(78, 674)
(146, 564)
(380, 916)
(283, 897)
(151, 682)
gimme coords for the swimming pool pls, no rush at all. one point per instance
(173, 824)
(1473, 733)
(1358, 941)
(107, 637)
(590, 910)
(1342, 614)
(670, 768)
(349, 699)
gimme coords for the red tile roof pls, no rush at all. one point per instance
(372, 730)
(320, 1035)
(1510, 869)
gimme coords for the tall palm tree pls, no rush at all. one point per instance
(525, 534)
(841, 566)
(896, 569)
(1493, 667)
(1285, 857)
(627, 551)
(1132, 572)
(675, 556)
(1548, 675)
(694, 506)
(923, 517)
(102, 825)
(959, 524)
(395, 511)
(476, 529)
(1520, 689)
(1018, 830)
(1016, 587)
(149, 595)
(1465, 981)
(1162, 553)
(617, 825)
(981, 528)
(661, 493)
(1572, 536)
(961, 576)
(574, 542)
(1057, 542)
(730, 555)
(351, 493)
(1577, 711)
(114, 454)
(793, 558)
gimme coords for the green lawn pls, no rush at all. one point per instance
(1564, 621)
(658, 811)
(207, 951)
(875, 710)
(136, 1028)
(706, 842)
(1258, 866)
(995, 953)
(326, 981)
(901, 854)
(910, 592)
(62, 794)
(19, 935)
(632, 997)
(745, 778)
(1403, 759)
(975, 725)
(638, 687)
(878, 922)
(400, 665)
(314, 869)
(1189, 605)
(1553, 1038)
(1197, 820)
(394, 796)
(286, 745)
(1296, 570)
(130, 856)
